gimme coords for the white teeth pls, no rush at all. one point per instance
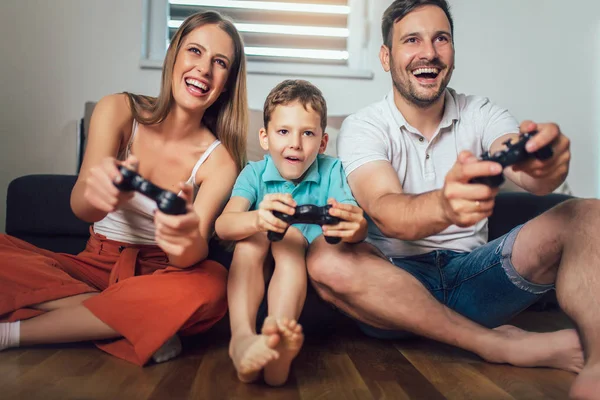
(426, 71)
(197, 83)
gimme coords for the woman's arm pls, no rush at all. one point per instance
(94, 194)
(217, 177)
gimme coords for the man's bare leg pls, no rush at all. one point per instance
(369, 288)
(245, 290)
(562, 245)
(287, 292)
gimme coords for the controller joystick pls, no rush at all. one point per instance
(513, 154)
(307, 214)
(166, 201)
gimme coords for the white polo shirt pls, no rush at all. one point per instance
(380, 132)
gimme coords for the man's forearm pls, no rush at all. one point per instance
(537, 186)
(410, 217)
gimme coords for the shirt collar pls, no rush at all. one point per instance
(271, 173)
(450, 111)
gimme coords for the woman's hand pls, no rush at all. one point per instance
(352, 228)
(100, 190)
(175, 234)
(265, 220)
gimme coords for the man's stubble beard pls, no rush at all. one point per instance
(409, 92)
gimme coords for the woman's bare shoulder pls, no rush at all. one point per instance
(220, 164)
(222, 159)
(114, 108)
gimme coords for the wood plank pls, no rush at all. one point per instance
(387, 373)
(529, 383)
(454, 379)
(15, 362)
(346, 365)
(323, 370)
(178, 379)
(216, 379)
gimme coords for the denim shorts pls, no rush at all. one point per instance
(482, 285)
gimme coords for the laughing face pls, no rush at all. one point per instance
(421, 59)
(294, 138)
(202, 67)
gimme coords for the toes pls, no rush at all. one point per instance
(270, 326)
(298, 328)
(273, 341)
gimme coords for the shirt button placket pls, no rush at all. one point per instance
(428, 164)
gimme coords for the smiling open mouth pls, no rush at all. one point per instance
(426, 73)
(196, 84)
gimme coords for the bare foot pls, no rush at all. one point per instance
(560, 349)
(587, 384)
(292, 338)
(170, 349)
(251, 353)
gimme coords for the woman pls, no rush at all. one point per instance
(143, 276)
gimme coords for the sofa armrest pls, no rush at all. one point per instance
(515, 208)
(38, 211)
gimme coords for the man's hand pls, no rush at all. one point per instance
(352, 228)
(465, 203)
(555, 169)
(265, 220)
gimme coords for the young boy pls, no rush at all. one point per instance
(295, 172)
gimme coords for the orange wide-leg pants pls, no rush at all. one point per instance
(140, 295)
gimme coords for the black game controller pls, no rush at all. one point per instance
(513, 154)
(167, 202)
(307, 214)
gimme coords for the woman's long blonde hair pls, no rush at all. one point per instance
(227, 118)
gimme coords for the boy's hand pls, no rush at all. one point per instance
(266, 221)
(352, 228)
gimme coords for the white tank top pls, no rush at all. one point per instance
(133, 222)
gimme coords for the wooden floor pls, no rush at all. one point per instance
(347, 365)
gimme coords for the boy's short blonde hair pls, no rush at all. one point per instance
(299, 90)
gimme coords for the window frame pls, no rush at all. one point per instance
(155, 30)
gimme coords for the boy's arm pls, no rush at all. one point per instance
(354, 226)
(236, 222)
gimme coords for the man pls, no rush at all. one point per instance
(426, 266)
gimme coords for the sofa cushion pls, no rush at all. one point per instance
(38, 211)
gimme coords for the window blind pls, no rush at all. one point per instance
(300, 31)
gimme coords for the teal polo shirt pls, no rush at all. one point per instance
(324, 179)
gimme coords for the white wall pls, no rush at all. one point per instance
(538, 58)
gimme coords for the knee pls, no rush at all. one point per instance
(577, 211)
(254, 247)
(331, 267)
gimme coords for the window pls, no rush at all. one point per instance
(297, 37)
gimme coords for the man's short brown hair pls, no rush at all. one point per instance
(400, 8)
(299, 90)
